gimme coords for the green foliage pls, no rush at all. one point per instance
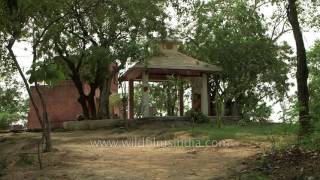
(96, 39)
(252, 175)
(157, 99)
(163, 96)
(115, 100)
(197, 117)
(171, 89)
(260, 113)
(231, 34)
(42, 71)
(314, 85)
(26, 159)
(13, 106)
(219, 109)
(3, 165)
(96, 59)
(252, 131)
(6, 119)
(11, 100)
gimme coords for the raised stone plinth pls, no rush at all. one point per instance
(91, 124)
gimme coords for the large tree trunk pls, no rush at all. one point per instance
(75, 76)
(82, 96)
(92, 102)
(302, 69)
(87, 102)
(104, 99)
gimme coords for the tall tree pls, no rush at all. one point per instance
(24, 21)
(302, 68)
(99, 37)
(314, 66)
(12, 27)
(232, 34)
(12, 104)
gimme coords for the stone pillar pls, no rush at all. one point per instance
(145, 94)
(204, 94)
(131, 100)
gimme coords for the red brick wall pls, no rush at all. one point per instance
(62, 104)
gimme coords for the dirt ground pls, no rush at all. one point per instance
(75, 157)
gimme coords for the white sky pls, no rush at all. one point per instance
(24, 53)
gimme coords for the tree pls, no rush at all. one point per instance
(302, 69)
(12, 105)
(171, 88)
(30, 20)
(13, 20)
(232, 34)
(99, 37)
(314, 66)
(163, 96)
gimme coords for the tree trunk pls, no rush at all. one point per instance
(25, 82)
(124, 108)
(104, 99)
(213, 86)
(47, 124)
(82, 97)
(302, 69)
(168, 104)
(92, 103)
(46, 129)
(75, 76)
(181, 101)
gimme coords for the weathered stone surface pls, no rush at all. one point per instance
(91, 124)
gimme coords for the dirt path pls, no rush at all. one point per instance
(77, 158)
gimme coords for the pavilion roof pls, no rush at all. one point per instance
(170, 61)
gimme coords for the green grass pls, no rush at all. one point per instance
(26, 159)
(249, 132)
(280, 136)
(3, 165)
(252, 176)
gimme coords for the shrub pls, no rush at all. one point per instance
(6, 119)
(197, 117)
(115, 100)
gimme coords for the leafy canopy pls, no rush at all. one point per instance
(232, 34)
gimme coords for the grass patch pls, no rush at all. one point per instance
(3, 165)
(274, 133)
(26, 159)
(252, 176)
(194, 143)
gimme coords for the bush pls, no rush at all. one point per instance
(197, 117)
(115, 100)
(6, 119)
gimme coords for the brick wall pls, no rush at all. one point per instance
(62, 104)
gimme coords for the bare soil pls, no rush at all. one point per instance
(75, 157)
